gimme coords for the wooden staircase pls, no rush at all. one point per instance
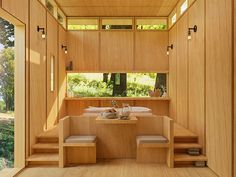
(46, 150)
(183, 141)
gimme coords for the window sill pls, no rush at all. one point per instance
(117, 98)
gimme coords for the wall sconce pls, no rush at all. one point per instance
(194, 29)
(64, 47)
(168, 49)
(43, 31)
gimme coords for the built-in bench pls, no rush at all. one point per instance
(157, 148)
(75, 149)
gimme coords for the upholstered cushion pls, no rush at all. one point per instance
(80, 139)
(151, 139)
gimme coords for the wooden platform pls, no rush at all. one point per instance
(118, 168)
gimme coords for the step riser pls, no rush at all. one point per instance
(183, 151)
(43, 163)
(47, 140)
(183, 164)
(186, 140)
(46, 151)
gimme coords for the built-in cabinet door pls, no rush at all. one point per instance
(150, 51)
(37, 70)
(196, 67)
(83, 49)
(62, 72)
(52, 71)
(116, 53)
(182, 70)
(173, 72)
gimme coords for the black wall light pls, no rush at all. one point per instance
(43, 31)
(168, 48)
(64, 47)
(194, 29)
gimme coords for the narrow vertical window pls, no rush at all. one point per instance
(184, 7)
(52, 74)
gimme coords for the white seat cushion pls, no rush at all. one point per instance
(80, 139)
(151, 139)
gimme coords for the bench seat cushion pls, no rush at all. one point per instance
(80, 139)
(151, 139)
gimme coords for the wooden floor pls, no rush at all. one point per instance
(117, 168)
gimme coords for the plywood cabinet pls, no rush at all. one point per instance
(173, 73)
(150, 51)
(196, 74)
(83, 50)
(62, 72)
(182, 71)
(52, 71)
(116, 52)
(37, 71)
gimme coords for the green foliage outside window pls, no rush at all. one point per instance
(82, 27)
(152, 27)
(111, 84)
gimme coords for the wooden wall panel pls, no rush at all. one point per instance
(234, 162)
(182, 71)
(173, 73)
(62, 72)
(219, 86)
(150, 51)
(37, 71)
(196, 74)
(19, 10)
(52, 49)
(116, 52)
(76, 108)
(83, 50)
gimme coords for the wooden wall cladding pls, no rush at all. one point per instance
(173, 73)
(52, 49)
(20, 11)
(62, 72)
(234, 90)
(182, 71)
(76, 108)
(219, 86)
(83, 50)
(116, 52)
(150, 51)
(196, 74)
(37, 71)
(119, 51)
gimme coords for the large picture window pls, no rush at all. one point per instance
(116, 85)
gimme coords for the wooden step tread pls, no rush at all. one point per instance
(52, 157)
(46, 146)
(188, 158)
(187, 146)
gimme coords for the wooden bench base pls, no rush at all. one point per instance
(80, 155)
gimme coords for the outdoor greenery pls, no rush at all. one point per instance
(6, 143)
(111, 84)
(6, 94)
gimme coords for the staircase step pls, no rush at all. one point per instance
(187, 146)
(47, 139)
(45, 147)
(185, 139)
(188, 158)
(43, 159)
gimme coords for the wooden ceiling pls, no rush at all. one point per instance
(111, 8)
